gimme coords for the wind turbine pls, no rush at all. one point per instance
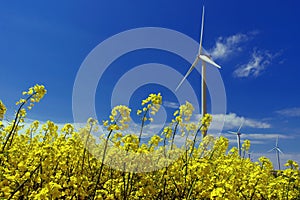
(276, 148)
(238, 137)
(205, 59)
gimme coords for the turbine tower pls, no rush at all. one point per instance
(205, 59)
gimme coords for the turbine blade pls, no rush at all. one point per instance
(241, 126)
(277, 141)
(188, 73)
(231, 132)
(201, 33)
(272, 149)
(279, 150)
(209, 60)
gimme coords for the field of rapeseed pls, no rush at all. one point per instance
(43, 162)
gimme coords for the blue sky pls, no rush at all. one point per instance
(255, 42)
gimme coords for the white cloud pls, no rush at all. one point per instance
(232, 121)
(259, 61)
(226, 46)
(289, 112)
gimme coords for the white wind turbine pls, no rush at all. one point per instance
(205, 59)
(276, 148)
(238, 137)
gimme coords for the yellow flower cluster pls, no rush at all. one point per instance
(43, 162)
(184, 113)
(2, 111)
(292, 164)
(119, 118)
(167, 132)
(151, 104)
(34, 94)
(181, 122)
(205, 121)
(246, 146)
(155, 140)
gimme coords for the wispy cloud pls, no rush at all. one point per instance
(170, 104)
(264, 136)
(290, 112)
(259, 61)
(226, 46)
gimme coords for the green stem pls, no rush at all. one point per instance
(142, 126)
(173, 136)
(194, 140)
(15, 121)
(102, 164)
(84, 151)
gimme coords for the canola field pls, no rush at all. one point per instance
(41, 161)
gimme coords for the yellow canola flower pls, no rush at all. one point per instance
(68, 128)
(118, 135)
(113, 127)
(217, 193)
(168, 131)
(138, 112)
(155, 140)
(176, 113)
(105, 123)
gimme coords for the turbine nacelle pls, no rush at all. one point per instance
(208, 59)
(276, 148)
(235, 133)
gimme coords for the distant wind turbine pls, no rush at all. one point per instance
(205, 59)
(276, 148)
(238, 137)
(249, 155)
